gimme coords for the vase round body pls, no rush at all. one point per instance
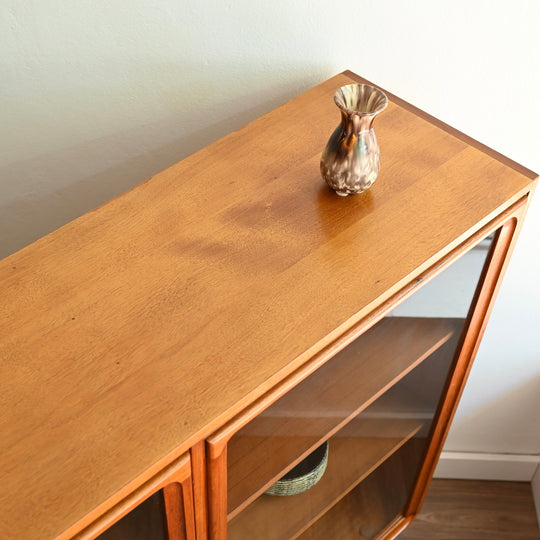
(350, 162)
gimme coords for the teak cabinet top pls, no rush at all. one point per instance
(141, 327)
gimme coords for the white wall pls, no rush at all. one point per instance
(97, 95)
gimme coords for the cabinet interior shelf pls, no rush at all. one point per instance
(260, 453)
(374, 503)
(350, 460)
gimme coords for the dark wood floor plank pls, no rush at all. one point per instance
(476, 510)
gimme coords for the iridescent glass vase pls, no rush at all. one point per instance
(350, 162)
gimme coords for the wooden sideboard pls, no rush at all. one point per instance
(184, 345)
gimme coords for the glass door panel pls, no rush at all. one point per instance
(373, 404)
(145, 521)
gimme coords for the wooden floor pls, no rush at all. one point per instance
(476, 510)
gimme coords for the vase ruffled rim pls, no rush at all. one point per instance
(361, 99)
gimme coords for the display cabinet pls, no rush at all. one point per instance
(170, 356)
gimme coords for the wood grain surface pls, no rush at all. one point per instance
(140, 328)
